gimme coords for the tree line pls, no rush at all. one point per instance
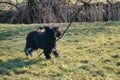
(57, 11)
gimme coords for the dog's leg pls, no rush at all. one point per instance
(55, 52)
(26, 50)
(31, 52)
(47, 53)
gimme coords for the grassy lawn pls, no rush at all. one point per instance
(89, 51)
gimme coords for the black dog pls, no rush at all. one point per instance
(44, 38)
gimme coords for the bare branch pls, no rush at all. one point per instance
(12, 5)
(109, 1)
(84, 1)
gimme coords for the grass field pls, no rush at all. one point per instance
(89, 51)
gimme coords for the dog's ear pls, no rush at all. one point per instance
(56, 27)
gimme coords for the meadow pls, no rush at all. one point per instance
(89, 51)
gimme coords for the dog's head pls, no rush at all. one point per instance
(55, 30)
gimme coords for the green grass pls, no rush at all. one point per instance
(89, 51)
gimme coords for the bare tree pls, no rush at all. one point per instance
(50, 11)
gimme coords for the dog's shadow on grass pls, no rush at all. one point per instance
(11, 65)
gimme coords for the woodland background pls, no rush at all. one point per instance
(58, 11)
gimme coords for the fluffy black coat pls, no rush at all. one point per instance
(44, 38)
